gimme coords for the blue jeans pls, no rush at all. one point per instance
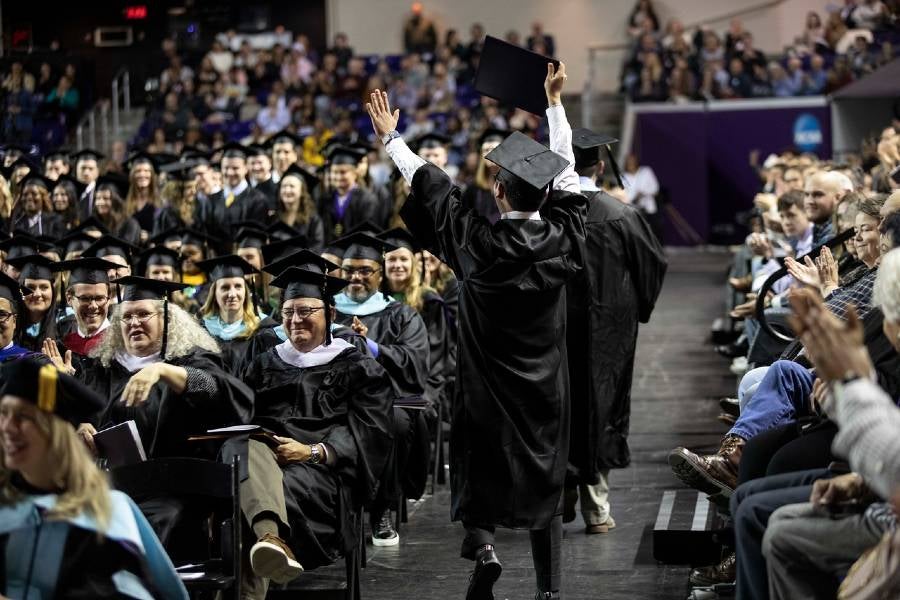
(749, 384)
(782, 396)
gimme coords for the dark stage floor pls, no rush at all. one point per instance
(678, 377)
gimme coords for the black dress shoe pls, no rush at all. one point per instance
(733, 350)
(546, 596)
(730, 406)
(487, 571)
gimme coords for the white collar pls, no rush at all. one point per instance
(238, 189)
(8, 346)
(587, 184)
(524, 215)
(134, 363)
(33, 221)
(320, 355)
(103, 326)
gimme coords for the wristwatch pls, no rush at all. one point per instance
(390, 135)
(315, 454)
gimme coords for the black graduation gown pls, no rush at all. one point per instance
(313, 230)
(344, 404)
(130, 231)
(215, 219)
(363, 206)
(482, 201)
(623, 273)
(50, 225)
(269, 190)
(510, 432)
(166, 419)
(234, 350)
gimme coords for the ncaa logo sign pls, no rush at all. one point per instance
(807, 133)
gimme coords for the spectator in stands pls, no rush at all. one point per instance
(275, 116)
(419, 33)
(782, 84)
(541, 42)
(642, 19)
(18, 105)
(221, 58)
(175, 117)
(44, 84)
(739, 84)
(682, 84)
(835, 28)
(861, 59)
(817, 77)
(868, 14)
(175, 75)
(813, 36)
(476, 41)
(341, 50)
(642, 187)
(652, 85)
(675, 31)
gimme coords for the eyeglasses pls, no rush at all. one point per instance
(304, 312)
(87, 300)
(5, 316)
(364, 272)
(141, 317)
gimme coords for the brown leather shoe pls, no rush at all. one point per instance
(603, 527)
(712, 474)
(724, 572)
(741, 284)
(271, 558)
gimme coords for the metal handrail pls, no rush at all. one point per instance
(123, 90)
(101, 123)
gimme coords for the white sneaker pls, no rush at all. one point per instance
(739, 366)
(271, 558)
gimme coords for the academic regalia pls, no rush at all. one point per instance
(482, 201)
(217, 220)
(48, 224)
(622, 277)
(510, 431)
(37, 267)
(313, 230)
(344, 404)
(361, 207)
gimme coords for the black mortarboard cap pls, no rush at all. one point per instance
(233, 150)
(400, 238)
(513, 75)
(492, 134)
(169, 235)
(364, 245)
(63, 179)
(90, 270)
(301, 283)
(110, 245)
(365, 227)
(57, 154)
(33, 266)
(196, 238)
(51, 390)
(251, 237)
(345, 155)
(92, 223)
(310, 179)
(276, 250)
(35, 178)
(76, 241)
(87, 153)
(279, 230)
(23, 245)
(586, 145)
(13, 291)
(159, 255)
(141, 288)
(141, 157)
(114, 181)
(432, 139)
(304, 259)
(230, 265)
(528, 160)
(285, 136)
(256, 150)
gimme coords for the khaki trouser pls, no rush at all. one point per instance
(595, 500)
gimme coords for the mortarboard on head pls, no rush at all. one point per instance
(166, 237)
(34, 178)
(364, 246)
(431, 139)
(141, 288)
(285, 137)
(57, 154)
(281, 248)
(92, 223)
(256, 150)
(115, 182)
(109, 245)
(310, 179)
(13, 291)
(302, 283)
(250, 237)
(492, 134)
(233, 150)
(16, 150)
(76, 241)
(52, 391)
(304, 259)
(33, 266)
(141, 158)
(345, 155)
(23, 245)
(230, 265)
(87, 154)
(89, 270)
(533, 163)
(279, 230)
(67, 180)
(586, 145)
(159, 256)
(513, 75)
(401, 238)
(365, 227)
(196, 238)
(334, 250)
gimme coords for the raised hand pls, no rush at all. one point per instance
(554, 82)
(52, 352)
(359, 327)
(807, 274)
(379, 109)
(828, 270)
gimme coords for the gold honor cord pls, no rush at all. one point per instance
(47, 378)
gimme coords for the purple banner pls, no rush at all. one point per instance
(702, 158)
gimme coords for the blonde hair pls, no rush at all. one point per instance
(185, 335)
(6, 199)
(248, 315)
(414, 290)
(132, 197)
(174, 195)
(84, 486)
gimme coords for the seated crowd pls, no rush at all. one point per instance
(675, 64)
(806, 472)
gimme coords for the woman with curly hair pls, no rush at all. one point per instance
(32, 212)
(94, 541)
(296, 208)
(179, 197)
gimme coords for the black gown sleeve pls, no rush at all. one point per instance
(646, 260)
(403, 352)
(219, 399)
(434, 314)
(315, 233)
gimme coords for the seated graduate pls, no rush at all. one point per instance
(330, 406)
(87, 294)
(296, 207)
(116, 251)
(403, 271)
(39, 320)
(33, 211)
(109, 209)
(249, 241)
(20, 245)
(94, 542)
(230, 314)
(346, 204)
(195, 248)
(12, 307)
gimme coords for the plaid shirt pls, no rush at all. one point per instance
(859, 293)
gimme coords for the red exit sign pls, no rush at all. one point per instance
(135, 13)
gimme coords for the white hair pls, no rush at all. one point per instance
(886, 293)
(185, 334)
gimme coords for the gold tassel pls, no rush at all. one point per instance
(47, 378)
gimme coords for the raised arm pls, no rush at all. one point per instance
(560, 130)
(385, 124)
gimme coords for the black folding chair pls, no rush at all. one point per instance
(197, 478)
